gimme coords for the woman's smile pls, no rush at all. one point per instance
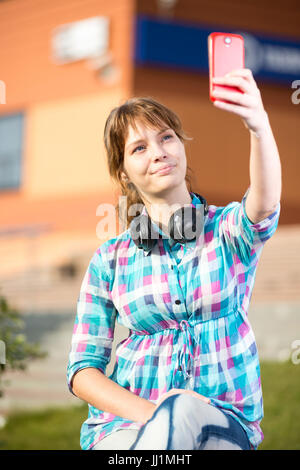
(165, 171)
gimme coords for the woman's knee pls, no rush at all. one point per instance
(183, 415)
(184, 402)
(184, 406)
(189, 411)
(184, 421)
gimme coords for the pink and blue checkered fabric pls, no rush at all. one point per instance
(186, 310)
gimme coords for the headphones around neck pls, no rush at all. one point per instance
(185, 225)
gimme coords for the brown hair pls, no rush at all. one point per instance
(148, 111)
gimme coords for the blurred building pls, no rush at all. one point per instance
(65, 65)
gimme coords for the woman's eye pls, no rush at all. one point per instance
(164, 137)
(137, 148)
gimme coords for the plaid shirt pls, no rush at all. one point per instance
(186, 308)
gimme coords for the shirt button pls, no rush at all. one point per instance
(177, 302)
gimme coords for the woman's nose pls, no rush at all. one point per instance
(157, 150)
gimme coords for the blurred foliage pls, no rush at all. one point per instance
(18, 352)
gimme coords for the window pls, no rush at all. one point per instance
(11, 146)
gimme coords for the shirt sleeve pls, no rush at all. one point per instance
(242, 236)
(94, 326)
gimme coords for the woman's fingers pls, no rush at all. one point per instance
(199, 396)
(174, 391)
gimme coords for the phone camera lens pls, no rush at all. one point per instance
(227, 40)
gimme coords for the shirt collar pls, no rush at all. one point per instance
(196, 202)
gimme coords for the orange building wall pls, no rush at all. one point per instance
(65, 109)
(64, 169)
(267, 16)
(26, 28)
(65, 144)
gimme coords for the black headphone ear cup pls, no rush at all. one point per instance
(186, 224)
(204, 202)
(142, 232)
(175, 226)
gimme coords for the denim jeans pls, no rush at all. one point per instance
(182, 421)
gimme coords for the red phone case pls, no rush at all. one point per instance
(226, 52)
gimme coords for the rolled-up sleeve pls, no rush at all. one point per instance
(244, 238)
(94, 325)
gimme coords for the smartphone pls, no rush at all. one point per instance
(226, 52)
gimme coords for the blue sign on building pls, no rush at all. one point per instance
(183, 45)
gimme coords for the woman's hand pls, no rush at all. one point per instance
(174, 391)
(248, 104)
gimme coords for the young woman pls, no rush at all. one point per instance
(187, 376)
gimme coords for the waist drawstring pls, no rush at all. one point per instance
(187, 352)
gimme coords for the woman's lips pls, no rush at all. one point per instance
(165, 170)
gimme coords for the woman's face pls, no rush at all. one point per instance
(147, 151)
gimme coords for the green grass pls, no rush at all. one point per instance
(59, 429)
(281, 394)
(51, 429)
